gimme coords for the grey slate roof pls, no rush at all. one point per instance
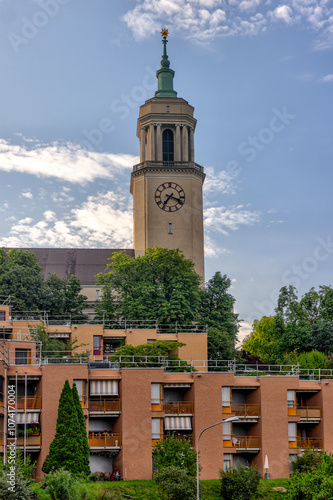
(85, 263)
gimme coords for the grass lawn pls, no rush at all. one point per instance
(148, 490)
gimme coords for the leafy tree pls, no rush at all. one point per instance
(177, 452)
(217, 313)
(21, 277)
(160, 285)
(21, 487)
(175, 484)
(83, 438)
(313, 360)
(306, 461)
(240, 484)
(150, 355)
(315, 483)
(65, 450)
(264, 341)
(52, 347)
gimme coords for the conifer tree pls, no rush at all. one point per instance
(65, 449)
(83, 438)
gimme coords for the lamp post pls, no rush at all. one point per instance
(231, 419)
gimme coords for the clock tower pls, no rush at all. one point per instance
(167, 183)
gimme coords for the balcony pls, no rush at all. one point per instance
(104, 407)
(309, 442)
(178, 407)
(243, 443)
(29, 403)
(1, 439)
(245, 412)
(32, 441)
(306, 413)
(104, 441)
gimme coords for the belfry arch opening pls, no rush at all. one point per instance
(168, 145)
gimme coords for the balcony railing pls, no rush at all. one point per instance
(104, 406)
(177, 407)
(167, 164)
(310, 442)
(1, 438)
(243, 410)
(243, 442)
(31, 440)
(29, 403)
(104, 440)
(306, 412)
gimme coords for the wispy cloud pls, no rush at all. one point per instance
(226, 219)
(102, 221)
(326, 79)
(65, 162)
(203, 20)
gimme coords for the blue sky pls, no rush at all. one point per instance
(260, 76)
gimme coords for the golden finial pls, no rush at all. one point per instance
(164, 32)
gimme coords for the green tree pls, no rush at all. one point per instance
(177, 452)
(265, 339)
(315, 483)
(217, 312)
(83, 438)
(52, 347)
(160, 285)
(65, 450)
(152, 354)
(21, 487)
(63, 298)
(175, 484)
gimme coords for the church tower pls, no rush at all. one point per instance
(167, 183)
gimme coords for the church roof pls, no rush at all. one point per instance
(85, 263)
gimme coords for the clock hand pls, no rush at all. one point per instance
(177, 199)
(167, 199)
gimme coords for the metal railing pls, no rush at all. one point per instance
(309, 442)
(246, 442)
(28, 403)
(245, 410)
(30, 440)
(104, 406)
(177, 407)
(307, 412)
(167, 164)
(104, 440)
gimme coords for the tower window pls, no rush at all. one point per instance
(168, 109)
(170, 228)
(168, 146)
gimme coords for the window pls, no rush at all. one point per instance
(291, 398)
(97, 341)
(22, 356)
(226, 462)
(291, 431)
(2, 315)
(226, 399)
(98, 294)
(81, 388)
(227, 431)
(170, 228)
(155, 394)
(156, 425)
(168, 149)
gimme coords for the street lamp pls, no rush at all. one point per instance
(231, 419)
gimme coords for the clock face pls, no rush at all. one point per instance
(169, 196)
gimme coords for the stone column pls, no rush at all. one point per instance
(185, 143)
(177, 144)
(159, 142)
(152, 142)
(143, 145)
(192, 144)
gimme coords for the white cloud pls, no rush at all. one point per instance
(326, 79)
(204, 20)
(27, 194)
(223, 182)
(284, 13)
(102, 221)
(223, 220)
(212, 249)
(65, 162)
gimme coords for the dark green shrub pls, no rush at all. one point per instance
(175, 484)
(315, 483)
(306, 461)
(240, 484)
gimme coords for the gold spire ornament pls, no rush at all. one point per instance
(164, 32)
